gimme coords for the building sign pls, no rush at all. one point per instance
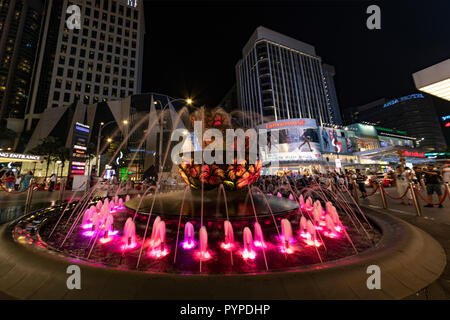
(295, 140)
(390, 130)
(405, 98)
(79, 148)
(19, 156)
(445, 118)
(311, 123)
(413, 154)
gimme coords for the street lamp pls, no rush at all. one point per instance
(102, 126)
(188, 101)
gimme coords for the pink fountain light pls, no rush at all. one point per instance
(159, 249)
(229, 236)
(189, 241)
(248, 252)
(203, 254)
(286, 237)
(259, 237)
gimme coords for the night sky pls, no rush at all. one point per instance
(191, 48)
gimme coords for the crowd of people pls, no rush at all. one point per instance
(428, 178)
(16, 182)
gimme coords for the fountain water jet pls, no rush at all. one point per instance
(248, 252)
(189, 241)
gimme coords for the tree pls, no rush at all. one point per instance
(62, 154)
(49, 149)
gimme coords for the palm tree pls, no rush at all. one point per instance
(62, 154)
(49, 149)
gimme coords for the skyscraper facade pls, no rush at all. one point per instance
(20, 25)
(330, 89)
(101, 61)
(281, 78)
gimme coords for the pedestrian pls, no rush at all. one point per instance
(52, 182)
(9, 180)
(360, 181)
(446, 172)
(18, 181)
(26, 180)
(402, 179)
(433, 182)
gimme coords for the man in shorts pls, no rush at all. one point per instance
(433, 182)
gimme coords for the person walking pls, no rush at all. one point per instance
(433, 182)
(18, 181)
(402, 180)
(51, 186)
(360, 181)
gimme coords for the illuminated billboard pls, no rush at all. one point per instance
(291, 140)
(388, 141)
(335, 140)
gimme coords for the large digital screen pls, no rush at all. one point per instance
(291, 140)
(386, 141)
(335, 141)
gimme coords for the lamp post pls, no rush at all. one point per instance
(189, 102)
(102, 126)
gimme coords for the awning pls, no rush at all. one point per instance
(19, 157)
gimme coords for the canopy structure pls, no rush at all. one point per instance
(19, 157)
(391, 155)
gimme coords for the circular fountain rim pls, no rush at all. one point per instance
(346, 277)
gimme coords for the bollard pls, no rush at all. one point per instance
(415, 200)
(355, 192)
(383, 196)
(29, 198)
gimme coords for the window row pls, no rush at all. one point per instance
(92, 44)
(69, 98)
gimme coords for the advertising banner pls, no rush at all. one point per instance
(335, 141)
(296, 140)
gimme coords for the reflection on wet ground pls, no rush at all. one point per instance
(13, 212)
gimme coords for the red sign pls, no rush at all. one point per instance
(285, 124)
(413, 154)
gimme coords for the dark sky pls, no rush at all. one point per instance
(192, 47)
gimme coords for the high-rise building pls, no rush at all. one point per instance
(414, 113)
(101, 61)
(328, 74)
(20, 25)
(282, 78)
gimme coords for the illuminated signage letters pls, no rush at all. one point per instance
(405, 98)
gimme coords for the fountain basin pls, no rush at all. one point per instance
(238, 203)
(409, 260)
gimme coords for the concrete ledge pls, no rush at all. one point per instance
(409, 260)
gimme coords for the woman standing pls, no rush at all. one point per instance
(26, 180)
(403, 179)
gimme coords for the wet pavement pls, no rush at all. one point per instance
(12, 206)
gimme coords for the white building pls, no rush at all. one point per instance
(101, 61)
(281, 78)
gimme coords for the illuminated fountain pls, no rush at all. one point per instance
(227, 225)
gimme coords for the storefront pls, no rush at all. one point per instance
(18, 162)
